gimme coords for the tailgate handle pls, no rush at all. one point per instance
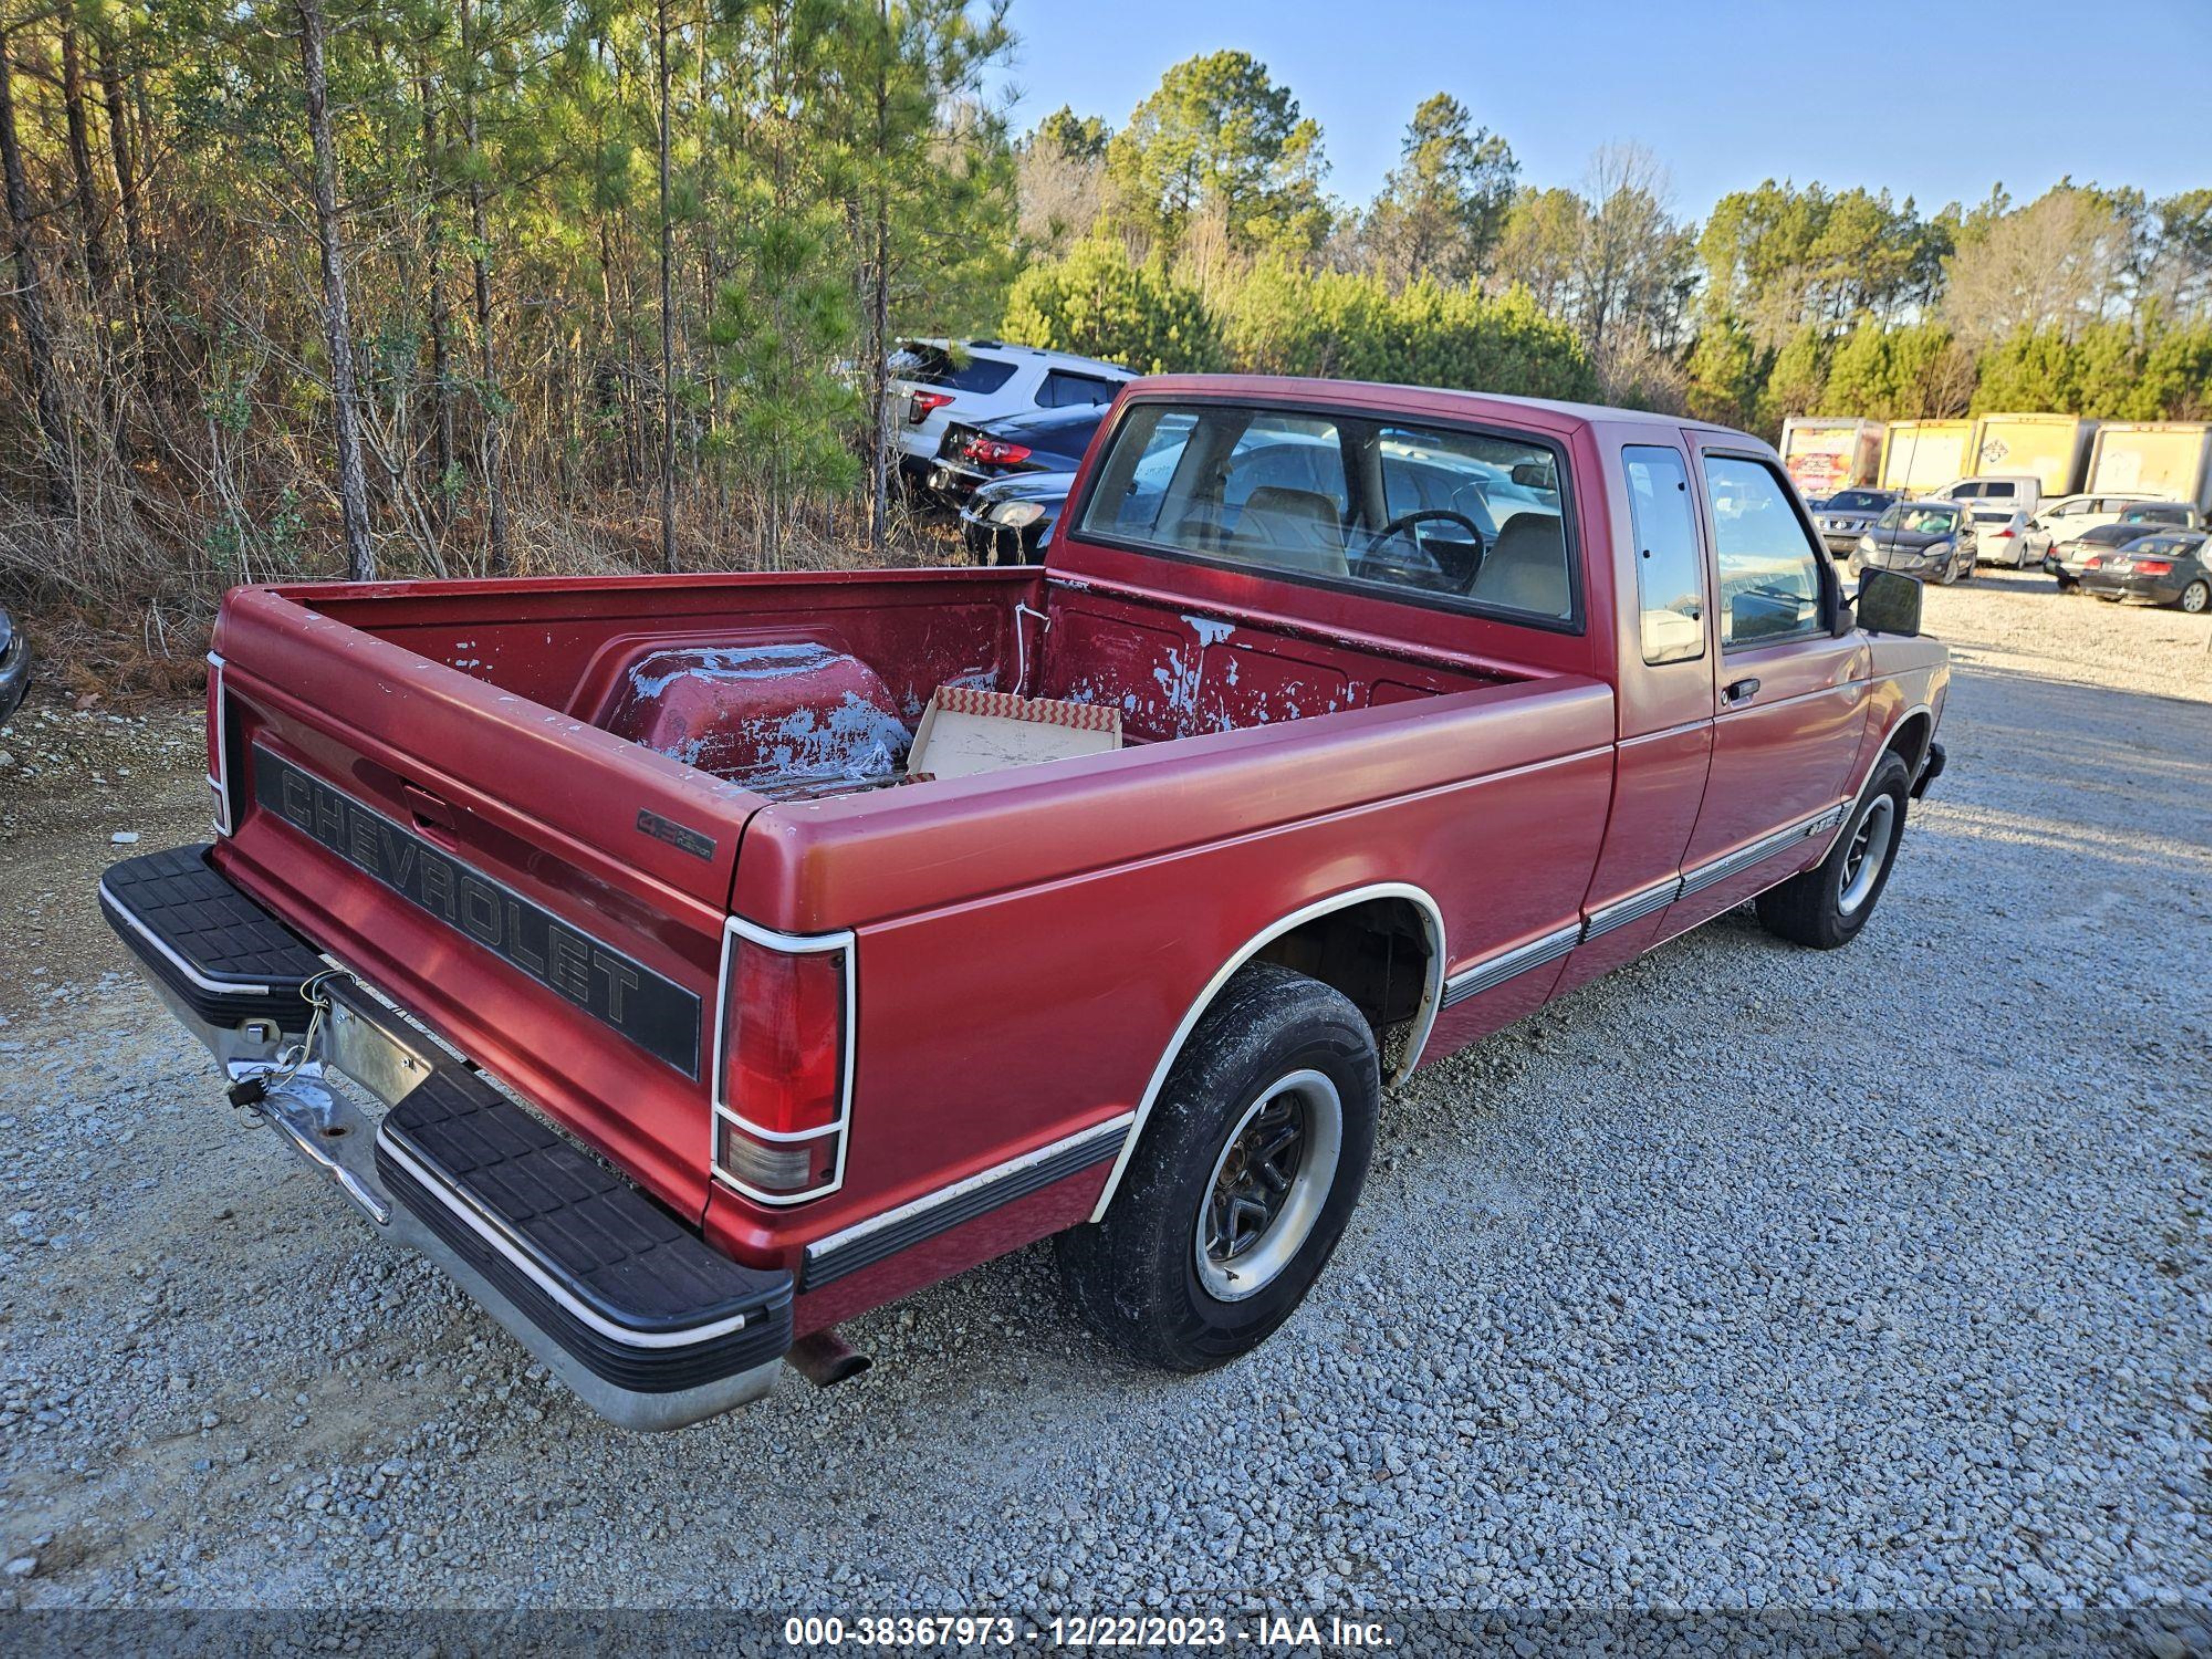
(430, 812)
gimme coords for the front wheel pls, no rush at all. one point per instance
(1250, 1164)
(2196, 598)
(1826, 907)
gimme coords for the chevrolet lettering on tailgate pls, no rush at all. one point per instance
(655, 1014)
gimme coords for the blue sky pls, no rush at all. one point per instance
(1725, 94)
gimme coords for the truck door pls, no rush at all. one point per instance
(1789, 697)
(1664, 648)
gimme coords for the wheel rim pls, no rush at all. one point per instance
(2195, 597)
(1868, 850)
(1268, 1186)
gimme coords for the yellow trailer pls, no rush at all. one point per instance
(2053, 448)
(1920, 456)
(2157, 458)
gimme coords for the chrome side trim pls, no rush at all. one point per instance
(737, 928)
(492, 1236)
(1496, 970)
(1432, 996)
(1634, 908)
(234, 987)
(1731, 863)
(1010, 1173)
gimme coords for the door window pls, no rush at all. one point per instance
(1770, 570)
(1670, 582)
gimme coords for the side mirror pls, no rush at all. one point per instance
(1889, 603)
(1532, 475)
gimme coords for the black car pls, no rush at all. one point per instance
(1040, 440)
(1849, 515)
(2167, 567)
(1927, 539)
(15, 666)
(2067, 560)
(1010, 520)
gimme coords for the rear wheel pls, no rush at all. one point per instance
(1250, 1164)
(2196, 598)
(1826, 907)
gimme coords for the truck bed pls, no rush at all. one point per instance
(564, 745)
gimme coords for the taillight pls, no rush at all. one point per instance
(218, 744)
(2154, 567)
(992, 453)
(2004, 535)
(923, 404)
(783, 1063)
(2094, 562)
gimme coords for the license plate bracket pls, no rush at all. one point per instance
(367, 1052)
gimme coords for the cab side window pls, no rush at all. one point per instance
(1770, 571)
(1670, 582)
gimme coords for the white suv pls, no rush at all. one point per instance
(976, 380)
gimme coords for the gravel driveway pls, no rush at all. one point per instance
(1750, 1277)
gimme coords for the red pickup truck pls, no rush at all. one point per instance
(601, 939)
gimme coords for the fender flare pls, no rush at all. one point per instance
(1433, 922)
(1858, 795)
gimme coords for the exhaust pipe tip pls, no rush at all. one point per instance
(826, 1359)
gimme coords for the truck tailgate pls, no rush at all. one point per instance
(547, 897)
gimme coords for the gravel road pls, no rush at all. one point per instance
(1749, 1277)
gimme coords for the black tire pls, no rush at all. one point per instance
(1811, 909)
(2196, 598)
(1135, 1277)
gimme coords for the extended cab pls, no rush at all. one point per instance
(602, 939)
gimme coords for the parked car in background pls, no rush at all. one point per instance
(2001, 536)
(14, 665)
(1849, 514)
(2167, 567)
(1929, 540)
(2067, 560)
(978, 380)
(1011, 520)
(1044, 440)
(2023, 490)
(2069, 516)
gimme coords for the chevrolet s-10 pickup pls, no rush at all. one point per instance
(619, 943)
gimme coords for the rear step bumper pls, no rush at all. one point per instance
(651, 1327)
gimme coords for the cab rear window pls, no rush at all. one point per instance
(1447, 516)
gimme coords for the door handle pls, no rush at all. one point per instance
(1739, 692)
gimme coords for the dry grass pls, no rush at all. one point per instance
(119, 602)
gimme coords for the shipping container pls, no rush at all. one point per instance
(1827, 454)
(2171, 458)
(1920, 456)
(2054, 448)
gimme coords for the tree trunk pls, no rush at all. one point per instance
(96, 266)
(879, 302)
(488, 361)
(337, 325)
(30, 304)
(110, 76)
(667, 322)
(441, 343)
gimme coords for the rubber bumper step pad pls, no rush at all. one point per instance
(224, 936)
(638, 1299)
